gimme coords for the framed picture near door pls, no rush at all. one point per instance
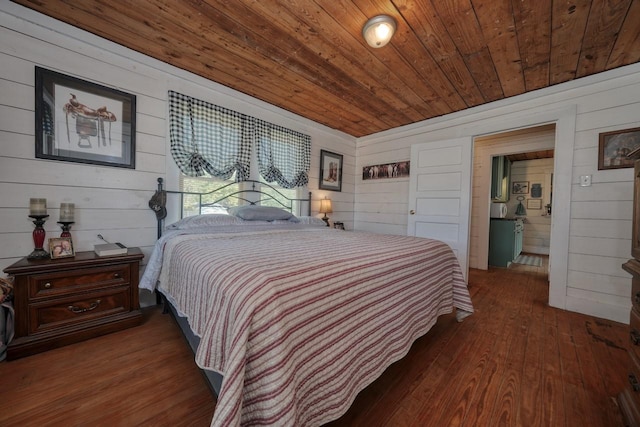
(617, 148)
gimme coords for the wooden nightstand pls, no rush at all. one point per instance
(66, 300)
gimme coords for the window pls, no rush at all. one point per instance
(205, 184)
(212, 145)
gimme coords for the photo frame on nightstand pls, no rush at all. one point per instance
(61, 247)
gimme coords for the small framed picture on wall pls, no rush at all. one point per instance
(520, 187)
(330, 171)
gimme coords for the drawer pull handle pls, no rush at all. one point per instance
(637, 298)
(116, 275)
(635, 385)
(47, 285)
(78, 310)
(635, 336)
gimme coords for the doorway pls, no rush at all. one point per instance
(564, 119)
(532, 149)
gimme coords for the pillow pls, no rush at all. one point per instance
(199, 221)
(260, 213)
(312, 220)
(214, 209)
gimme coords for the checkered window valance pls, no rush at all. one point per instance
(209, 139)
(284, 156)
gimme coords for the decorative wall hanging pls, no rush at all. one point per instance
(387, 170)
(330, 171)
(520, 210)
(615, 147)
(83, 122)
(536, 190)
(534, 203)
(520, 187)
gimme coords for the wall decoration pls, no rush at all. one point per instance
(534, 203)
(330, 171)
(83, 122)
(387, 170)
(520, 187)
(615, 146)
(61, 247)
(536, 190)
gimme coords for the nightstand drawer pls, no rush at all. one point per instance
(635, 292)
(634, 334)
(633, 384)
(71, 281)
(61, 312)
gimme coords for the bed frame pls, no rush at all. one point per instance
(248, 192)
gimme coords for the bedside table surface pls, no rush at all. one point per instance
(80, 259)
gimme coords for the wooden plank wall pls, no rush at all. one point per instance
(537, 224)
(600, 215)
(111, 201)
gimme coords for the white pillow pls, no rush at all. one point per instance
(312, 220)
(199, 221)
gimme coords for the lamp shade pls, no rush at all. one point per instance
(325, 206)
(378, 30)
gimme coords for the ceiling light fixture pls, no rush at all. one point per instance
(378, 30)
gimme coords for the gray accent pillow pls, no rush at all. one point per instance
(260, 213)
(199, 221)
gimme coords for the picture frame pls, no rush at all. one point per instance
(61, 247)
(330, 171)
(534, 203)
(83, 122)
(520, 187)
(616, 148)
(387, 170)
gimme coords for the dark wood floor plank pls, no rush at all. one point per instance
(516, 361)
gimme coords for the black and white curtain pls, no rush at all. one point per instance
(284, 156)
(209, 139)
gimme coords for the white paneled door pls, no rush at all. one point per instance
(440, 194)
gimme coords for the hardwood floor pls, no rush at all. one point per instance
(515, 362)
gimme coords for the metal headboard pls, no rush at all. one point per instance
(254, 195)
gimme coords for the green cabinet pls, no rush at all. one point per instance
(505, 241)
(500, 178)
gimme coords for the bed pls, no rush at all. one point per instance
(294, 318)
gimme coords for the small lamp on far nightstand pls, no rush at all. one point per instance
(325, 208)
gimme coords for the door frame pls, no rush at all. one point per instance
(484, 195)
(565, 121)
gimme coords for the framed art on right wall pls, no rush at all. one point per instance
(614, 148)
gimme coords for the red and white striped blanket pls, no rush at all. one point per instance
(299, 321)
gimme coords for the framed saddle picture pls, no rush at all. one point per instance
(84, 122)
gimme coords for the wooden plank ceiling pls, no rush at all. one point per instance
(308, 56)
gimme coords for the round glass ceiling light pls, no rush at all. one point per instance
(378, 30)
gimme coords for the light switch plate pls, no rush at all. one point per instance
(585, 180)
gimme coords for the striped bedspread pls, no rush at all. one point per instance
(299, 321)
